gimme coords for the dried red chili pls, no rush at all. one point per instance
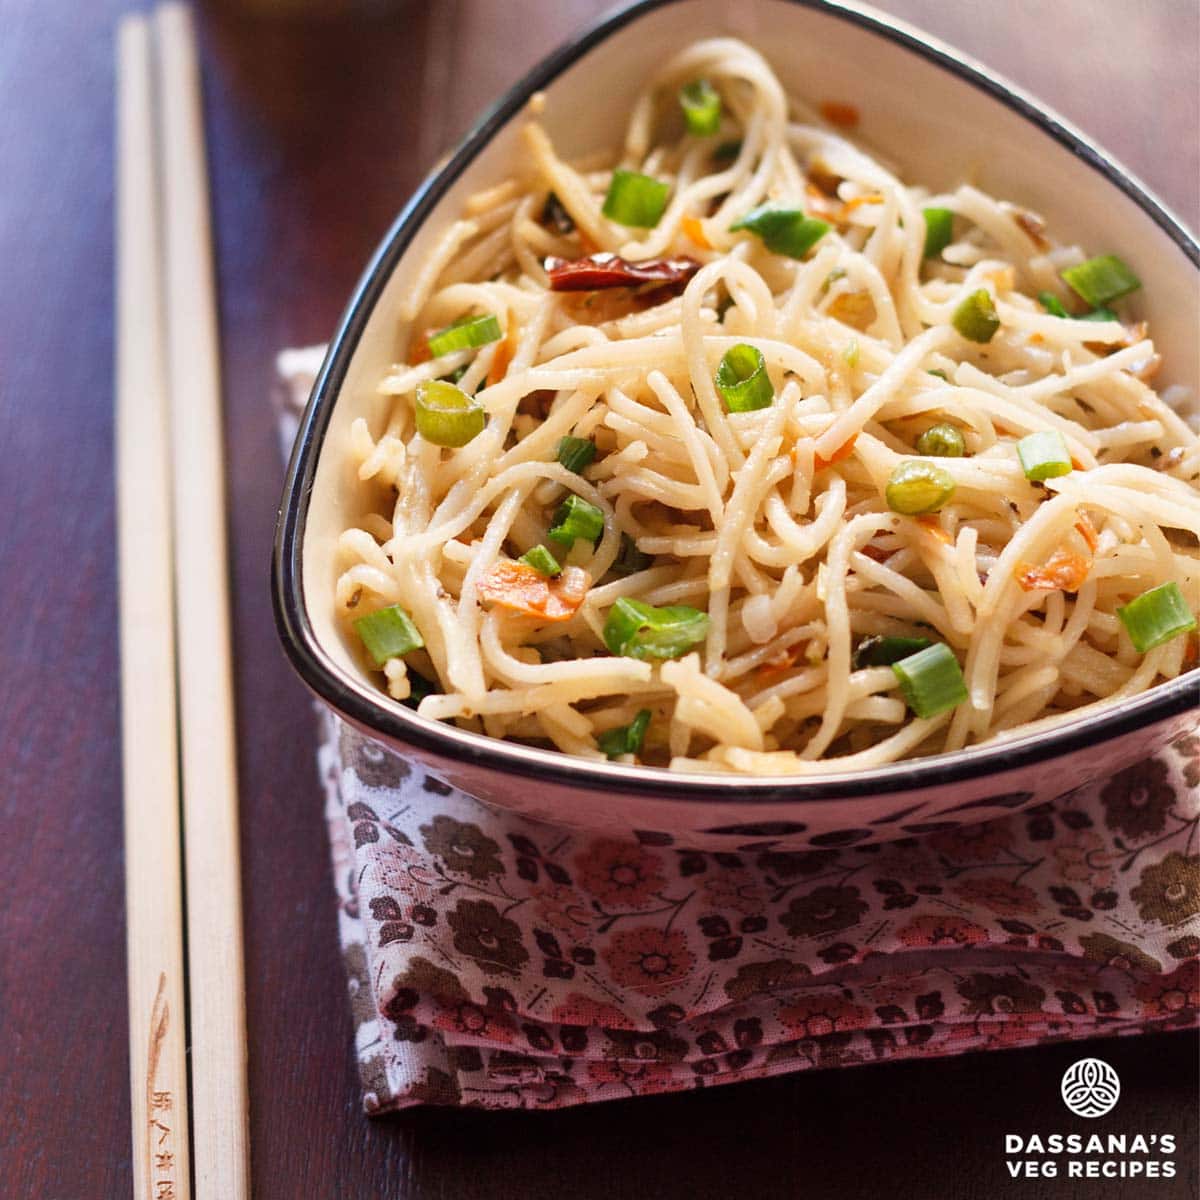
(603, 270)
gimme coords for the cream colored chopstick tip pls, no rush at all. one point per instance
(153, 899)
(216, 991)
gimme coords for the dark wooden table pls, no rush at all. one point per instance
(318, 131)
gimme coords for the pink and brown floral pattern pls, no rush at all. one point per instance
(499, 963)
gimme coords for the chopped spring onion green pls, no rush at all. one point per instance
(785, 231)
(939, 374)
(635, 629)
(635, 200)
(1044, 455)
(576, 453)
(918, 487)
(942, 441)
(851, 353)
(939, 229)
(446, 415)
(742, 379)
(540, 559)
(465, 334)
(625, 739)
(388, 633)
(726, 152)
(629, 558)
(1052, 304)
(931, 680)
(975, 318)
(1102, 279)
(1156, 617)
(576, 518)
(884, 651)
(418, 688)
(701, 106)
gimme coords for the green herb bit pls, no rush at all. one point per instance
(629, 558)
(1156, 617)
(701, 106)
(625, 739)
(635, 200)
(388, 633)
(882, 651)
(576, 454)
(635, 629)
(576, 518)
(1101, 279)
(742, 379)
(446, 415)
(939, 229)
(1044, 455)
(541, 560)
(931, 680)
(786, 231)
(467, 333)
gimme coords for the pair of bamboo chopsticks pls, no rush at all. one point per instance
(176, 685)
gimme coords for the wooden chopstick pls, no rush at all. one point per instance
(216, 991)
(153, 901)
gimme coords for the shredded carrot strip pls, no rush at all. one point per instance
(933, 526)
(503, 356)
(693, 230)
(1077, 464)
(843, 451)
(420, 350)
(783, 661)
(1087, 531)
(525, 590)
(844, 116)
(858, 201)
(1063, 572)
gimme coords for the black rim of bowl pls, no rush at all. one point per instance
(371, 711)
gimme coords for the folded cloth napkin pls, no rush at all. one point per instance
(502, 963)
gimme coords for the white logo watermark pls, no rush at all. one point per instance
(1090, 1087)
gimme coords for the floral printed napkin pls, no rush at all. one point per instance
(498, 962)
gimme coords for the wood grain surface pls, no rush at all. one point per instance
(318, 131)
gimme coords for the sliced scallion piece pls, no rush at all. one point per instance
(742, 379)
(1099, 314)
(701, 106)
(786, 231)
(576, 453)
(931, 680)
(635, 629)
(1101, 279)
(629, 558)
(939, 229)
(388, 633)
(726, 152)
(1044, 455)
(1156, 617)
(418, 688)
(635, 200)
(446, 415)
(625, 739)
(939, 373)
(576, 518)
(976, 318)
(942, 441)
(1052, 304)
(541, 560)
(465, 334)
(882, 651)
(918, 487)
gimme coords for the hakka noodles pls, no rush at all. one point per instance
(729, 451)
